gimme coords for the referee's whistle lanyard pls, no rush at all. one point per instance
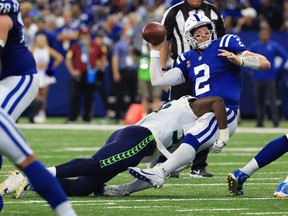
(91, 73)
(85, 55)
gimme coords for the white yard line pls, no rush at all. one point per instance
(23, 201)
(115, 127)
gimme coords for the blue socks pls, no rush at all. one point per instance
(272, 151)
(45, 184)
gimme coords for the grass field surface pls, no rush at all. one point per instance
(58, 143)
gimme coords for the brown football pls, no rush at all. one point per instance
(154, 33)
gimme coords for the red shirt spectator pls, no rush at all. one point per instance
(76, 55)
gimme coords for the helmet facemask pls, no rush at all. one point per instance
(194, 22)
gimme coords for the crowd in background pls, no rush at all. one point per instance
(116, 26)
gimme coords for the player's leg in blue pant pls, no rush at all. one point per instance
(271, 152)
(126, 147)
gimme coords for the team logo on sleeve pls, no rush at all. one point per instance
(188, 64)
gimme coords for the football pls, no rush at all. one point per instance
(154, 33)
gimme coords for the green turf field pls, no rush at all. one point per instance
(183, 196)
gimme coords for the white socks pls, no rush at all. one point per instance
(65, 209)
(250, 167)
(183, 155)
(52, 170)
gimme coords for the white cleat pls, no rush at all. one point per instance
(114, 191)
(23, 188)
(155, 176)
(10, 184)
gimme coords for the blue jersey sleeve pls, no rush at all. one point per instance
(182, 62)
(9, 6)
(232, 43)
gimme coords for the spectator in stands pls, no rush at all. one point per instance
(67, 34)
(111, 30)
(101, 76)
(29, 30)
(265, 83)
(41, 8)
(248, 21)
(51, 25)
(42, 29)
(80, 16)
(147, 92)
(138, 7)
(285, 16)
(124, 68)
(83, 61)
(231, 11)
(26, 8)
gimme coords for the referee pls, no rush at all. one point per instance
(174, 19)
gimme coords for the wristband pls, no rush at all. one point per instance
(224, 135)
(252, 62)
(241, 62)
(154, 54)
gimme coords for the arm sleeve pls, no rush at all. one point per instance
(172, 77)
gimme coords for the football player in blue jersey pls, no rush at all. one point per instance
(271, 152)
(126, 147)
(213, 66)
(15, 147)
(18, 82)
(18, 87)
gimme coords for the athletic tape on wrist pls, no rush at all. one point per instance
(154, 54)
(252, 62)
(224, 135)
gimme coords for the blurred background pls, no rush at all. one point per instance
(62, 22)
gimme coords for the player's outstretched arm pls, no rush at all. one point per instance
(248, 59)
(172, 77)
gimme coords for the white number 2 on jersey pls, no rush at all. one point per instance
(199, 80)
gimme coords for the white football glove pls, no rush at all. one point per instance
(222, 141)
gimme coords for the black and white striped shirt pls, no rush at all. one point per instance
(174, 20)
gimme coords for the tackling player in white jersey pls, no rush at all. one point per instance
(128, 146)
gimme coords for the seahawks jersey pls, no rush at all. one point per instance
(213, 75)
(171, 121)
(16, 59)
